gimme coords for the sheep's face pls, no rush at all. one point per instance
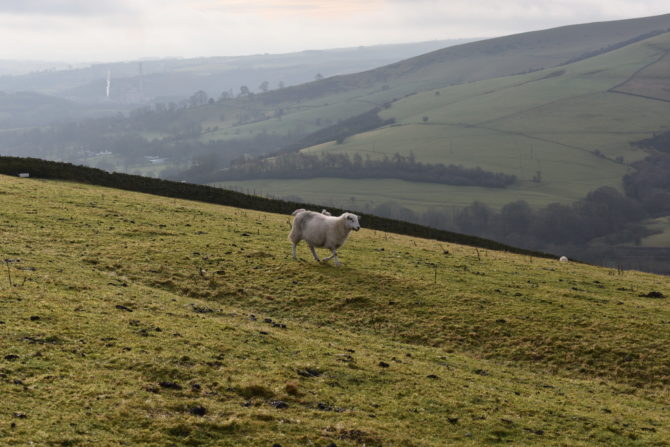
(352, 221)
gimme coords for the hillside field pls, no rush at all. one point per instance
(573, 125)
(130, 319)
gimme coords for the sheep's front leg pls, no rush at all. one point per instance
(311, 247)
(333, 256)
(294, 255)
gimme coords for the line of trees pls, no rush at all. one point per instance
(304, 165)
(659, 142)
(342, 130)
(649, 184)
(604, 215)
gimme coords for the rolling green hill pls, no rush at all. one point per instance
(573, 125)
(308, 107)
(492, 58)
(130, 319)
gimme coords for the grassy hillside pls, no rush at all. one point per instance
(572, 124)
(130, 319)
(492, 58)
(308, 107)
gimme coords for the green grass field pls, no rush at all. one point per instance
(129, 319)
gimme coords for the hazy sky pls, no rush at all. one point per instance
(105, 30)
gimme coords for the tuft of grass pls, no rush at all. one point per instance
(251, 391)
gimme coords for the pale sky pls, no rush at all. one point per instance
(115, 30)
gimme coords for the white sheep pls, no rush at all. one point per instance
(320, 230)
(563, 259)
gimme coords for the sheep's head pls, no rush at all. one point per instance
(351, 221)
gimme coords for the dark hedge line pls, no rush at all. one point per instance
(301, 165)
(615, 46)
(364, 122)
(44, 169)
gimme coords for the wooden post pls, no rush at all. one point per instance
(9, 272)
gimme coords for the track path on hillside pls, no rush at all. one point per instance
(665, 54)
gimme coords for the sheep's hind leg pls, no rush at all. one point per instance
(311, 247)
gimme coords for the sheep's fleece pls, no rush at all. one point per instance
(321, 230)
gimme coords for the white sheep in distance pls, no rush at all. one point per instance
(320, 230)
(563, 259)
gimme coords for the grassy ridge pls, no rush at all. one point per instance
(136, 319)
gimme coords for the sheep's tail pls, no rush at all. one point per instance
(298, 211)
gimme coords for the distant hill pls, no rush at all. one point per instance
(11, 67)
(561, 131)
(492, 58)
(29, 109)
(142, 81)
(283, 116)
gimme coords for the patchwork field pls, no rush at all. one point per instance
(129, 319)
(571, 126)
(651, 82)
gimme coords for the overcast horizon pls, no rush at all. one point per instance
(78, 31)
